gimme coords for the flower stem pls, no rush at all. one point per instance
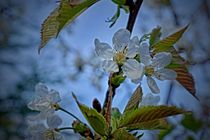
(69, 113)
(64, 128)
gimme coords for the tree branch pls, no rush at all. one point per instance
(134, 8)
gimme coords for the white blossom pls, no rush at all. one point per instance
(149, 100)
(121, 56)
(155, 67)
(38, 130)
(45, 102)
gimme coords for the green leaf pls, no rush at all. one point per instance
(82, 129)
(183, 75)
(117, 79)
(191, 123)
(149, 125)
(115, 118)
(178, 64)
(95, 119)
(144, 115)
(115, 17)
(170, 40)
(49, 28)
(155, 36)
(60, 17)
(122, 134)
(134, 100)
(165, 132)
(119, 2)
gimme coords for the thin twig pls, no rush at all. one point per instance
(134, 8)
(133, 14)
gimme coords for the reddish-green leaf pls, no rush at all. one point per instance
(178, 63)
(134, 100)
(95, 119)
(170, 40)
(122, 134)
(148, 114)
(60, 17)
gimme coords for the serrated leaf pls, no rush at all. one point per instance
(122, 134)
(165, 132)
(149, 125)
(60, 17)
(67, 12)
(191, 123)
(95, 119)
(133, 102)
(155, 36)
(49, 28)
(147, 114)
(183, 75)
(178, 63)
(170, 40)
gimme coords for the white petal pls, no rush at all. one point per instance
(150, 99)
(145, 57)
(162, 59)
(58, 136)
(152, 85)
(165, 74)
(121, 39)
(54, 121)
(41, 89)
(144, 49)
(133, 69)
(54, 96)
(110, 66)
(103, 50)
(37, 128)
(132, 52)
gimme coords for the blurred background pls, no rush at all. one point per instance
(68, 63)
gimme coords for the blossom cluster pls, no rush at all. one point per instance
(43, 125)
(134, 59)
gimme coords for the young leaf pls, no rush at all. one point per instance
(183, 76)
(122, 134)
(147, 114)
(165, 132)
(134, 100)
(95, 119)
(191, 123)
(114, 17)
(149, 125)
(155, 36)
(170, 40)
(49, 28)
(61, 17)
(178, 63)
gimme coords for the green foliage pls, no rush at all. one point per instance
(82, 129)
(95, 119)
(143, 118)
(178, 63)
(122, 134)
(120, 5)
(155, 36)
(60, 17)
(134, 100)
(165, 132)
(191, 123)
(117, 79)
(169, 41)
